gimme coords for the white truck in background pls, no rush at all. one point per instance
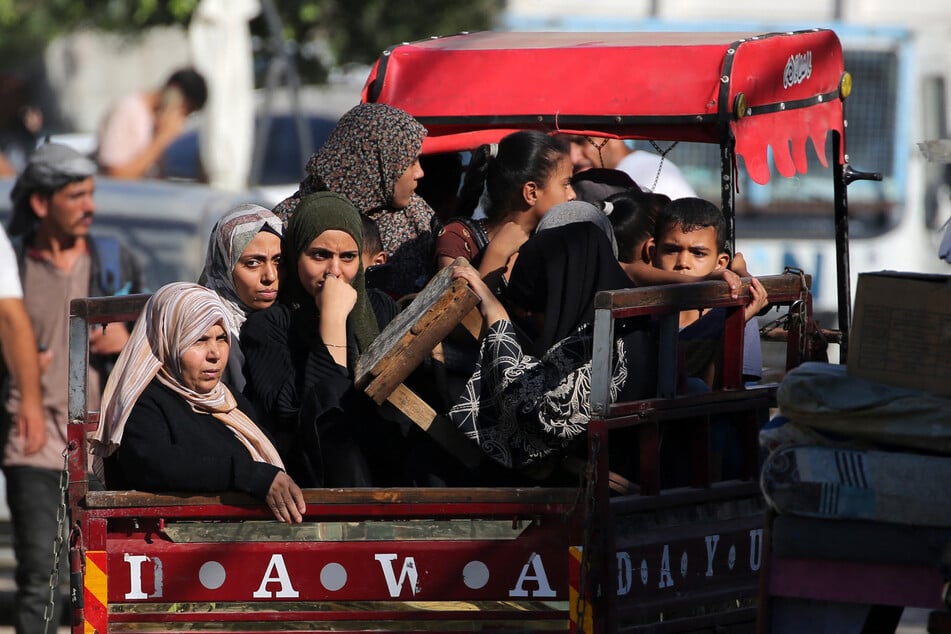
(899, 56)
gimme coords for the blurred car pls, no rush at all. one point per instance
(281, 159)
(165, 223)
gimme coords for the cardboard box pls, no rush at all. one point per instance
(901, 330)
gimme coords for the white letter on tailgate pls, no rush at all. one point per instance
(544, 588)
(407, 571)
(135, 576)
(277, 567)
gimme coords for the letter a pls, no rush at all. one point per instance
(666, 580)
(756, 548)
(279, 569)
(544, 588)
(407, 571)
(712, 541)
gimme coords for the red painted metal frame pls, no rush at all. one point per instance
(508, 572)
(672, 86)
(733, 570)
(244, 565)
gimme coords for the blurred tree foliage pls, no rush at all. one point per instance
(352, 30)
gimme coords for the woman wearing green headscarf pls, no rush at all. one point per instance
(300, 353)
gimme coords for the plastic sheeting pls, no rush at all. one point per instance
(822, 397)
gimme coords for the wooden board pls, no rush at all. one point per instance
(413, 334)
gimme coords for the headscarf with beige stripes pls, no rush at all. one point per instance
(173, 319)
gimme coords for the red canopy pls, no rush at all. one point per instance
(475, 88)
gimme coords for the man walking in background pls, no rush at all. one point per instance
(53, 210)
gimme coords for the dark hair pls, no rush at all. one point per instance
(527, 155)
(192, 85)
(596, 184)
(371, 236)
(691, 214)
(632, 217)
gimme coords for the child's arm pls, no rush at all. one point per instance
(503, 245)
(645, 274)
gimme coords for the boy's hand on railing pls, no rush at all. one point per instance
(286, 500)
(728, 276)
(758, 299)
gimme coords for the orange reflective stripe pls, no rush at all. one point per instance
(574, 578)
(95, 597)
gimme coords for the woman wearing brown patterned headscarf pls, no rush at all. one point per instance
(372, 158)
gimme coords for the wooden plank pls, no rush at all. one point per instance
(650, 300)
(99, 310)
(474, 323)
(415, 408)
(439, 428)
(343, 497)
(413, 334)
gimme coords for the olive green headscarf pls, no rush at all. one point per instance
(315, 214)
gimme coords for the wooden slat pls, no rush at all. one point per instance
(413, 334)
(107, 309)
(342, 497)
(648, 300)
(415, 408)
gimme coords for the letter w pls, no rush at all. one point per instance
(408, 571)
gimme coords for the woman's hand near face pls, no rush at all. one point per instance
(286, 500)
(335, 302)
(337, 299)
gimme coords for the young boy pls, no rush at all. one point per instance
(690, 239)
(375, 271)
(373, 253)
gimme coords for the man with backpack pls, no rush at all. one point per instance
(59, 260)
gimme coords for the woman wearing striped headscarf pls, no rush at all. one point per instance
(241, 265)
(168, 423)
(301, 352)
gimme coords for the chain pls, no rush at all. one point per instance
(796, 317)
(663, 156)
(591, 477)
(801, 316)
(61, 512)
(598, 147)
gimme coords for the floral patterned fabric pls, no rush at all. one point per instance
(521, 409)
(367, 152)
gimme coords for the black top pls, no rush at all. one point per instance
(329, 433)
(168, 446)
(558, 273)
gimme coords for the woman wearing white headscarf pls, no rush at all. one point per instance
(241, 265)
(168, 423)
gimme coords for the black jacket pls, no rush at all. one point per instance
(168, 446)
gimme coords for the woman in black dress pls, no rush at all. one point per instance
(168, 423)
